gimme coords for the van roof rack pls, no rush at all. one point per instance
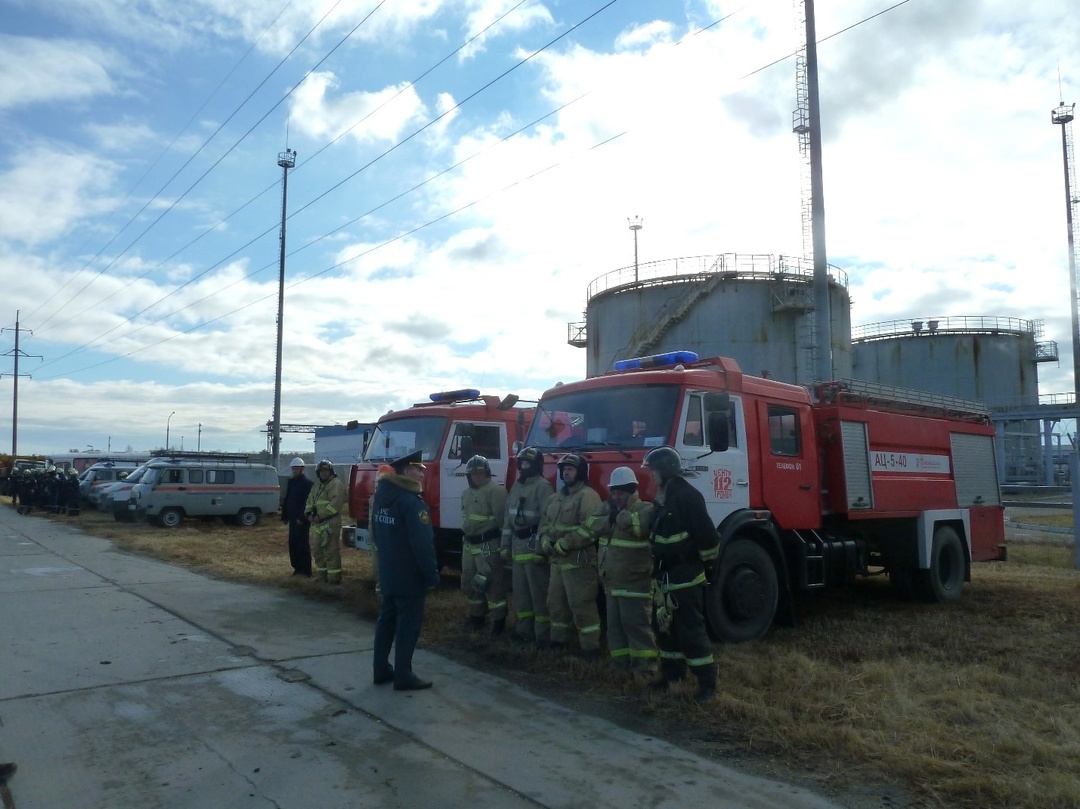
(174, 455)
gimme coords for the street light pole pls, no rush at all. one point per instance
(167, 421)
(635, 225)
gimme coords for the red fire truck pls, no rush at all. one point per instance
(809, 489)
(450, 429)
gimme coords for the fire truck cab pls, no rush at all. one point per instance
(808, 489)
(448, 430)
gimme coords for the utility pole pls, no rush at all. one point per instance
(16, 353)
(286, 160)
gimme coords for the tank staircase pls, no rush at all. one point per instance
(797, 297)
(665, 320)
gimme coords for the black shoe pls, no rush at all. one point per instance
(659, 685)
(557, 645)
(705, 693)
(415, 684)
(589, 654)
(498, 626)
(474, 623)
(384, 677)
(6, 771)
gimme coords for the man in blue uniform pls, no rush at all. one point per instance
(402, 529)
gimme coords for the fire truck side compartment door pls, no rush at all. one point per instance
(975, 470)
(859, 485)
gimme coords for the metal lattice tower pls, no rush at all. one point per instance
(800, 125)
(1062, 116)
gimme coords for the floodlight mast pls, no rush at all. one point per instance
(1062, 116)
(286, 160)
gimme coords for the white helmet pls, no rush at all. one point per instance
(622, 476)
(297, 461)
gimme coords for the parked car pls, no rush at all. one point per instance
(172, 489)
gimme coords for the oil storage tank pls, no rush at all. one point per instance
(991, 359)
(755, 308)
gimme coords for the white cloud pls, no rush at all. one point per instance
(318, 111)
(35, 71)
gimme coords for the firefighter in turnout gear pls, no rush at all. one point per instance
(567, 543)
(323, 509)
(621, 526)
(685, 548)
(531, 571)
(483, 553)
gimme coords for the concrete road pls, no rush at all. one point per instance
(129, 683)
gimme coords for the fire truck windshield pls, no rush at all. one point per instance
(396, 437)
(618, 417)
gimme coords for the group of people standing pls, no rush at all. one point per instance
(312, 510)
(52, 490)
(653, 559)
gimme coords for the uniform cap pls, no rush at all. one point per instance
(415, 458)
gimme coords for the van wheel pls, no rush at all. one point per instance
(945, 578)
(170, 517)
(741, 604)
(247, 517)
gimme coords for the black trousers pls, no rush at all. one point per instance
(687, 642)
(300, 546)
(398, 625)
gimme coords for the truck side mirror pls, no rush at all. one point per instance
(465, 447)
(718, 431)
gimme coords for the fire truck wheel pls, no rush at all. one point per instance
(741, 604)
(945, 578)
(170, 517)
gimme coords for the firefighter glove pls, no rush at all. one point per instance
(546, 547)
(504, 553)
(664, 606)
(478, 586)
(561, 549)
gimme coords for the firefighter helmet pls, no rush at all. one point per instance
(623, 477)
(578, 462)
(478, 463)
(665, 461)
(530, 462)
(325, 464)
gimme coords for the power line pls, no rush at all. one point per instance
(406, 233)
(157, 160)
(217, 162)
(346, 179)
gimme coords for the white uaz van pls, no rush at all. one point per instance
(172, 489)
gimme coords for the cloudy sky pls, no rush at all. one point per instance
(464, 169)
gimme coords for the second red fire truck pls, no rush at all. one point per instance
(808, 488)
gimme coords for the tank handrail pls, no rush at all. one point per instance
(952, 324)
(765, 266)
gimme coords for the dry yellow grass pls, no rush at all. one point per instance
(969, 704)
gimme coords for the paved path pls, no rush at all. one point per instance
(126, 683)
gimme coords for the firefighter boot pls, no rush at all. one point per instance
(498, 625)
(475, 623)
(706, 677)
(669, 673)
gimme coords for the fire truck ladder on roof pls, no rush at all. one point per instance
(873, 392)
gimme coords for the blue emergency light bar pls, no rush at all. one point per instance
(455, 395)
(656, 360)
